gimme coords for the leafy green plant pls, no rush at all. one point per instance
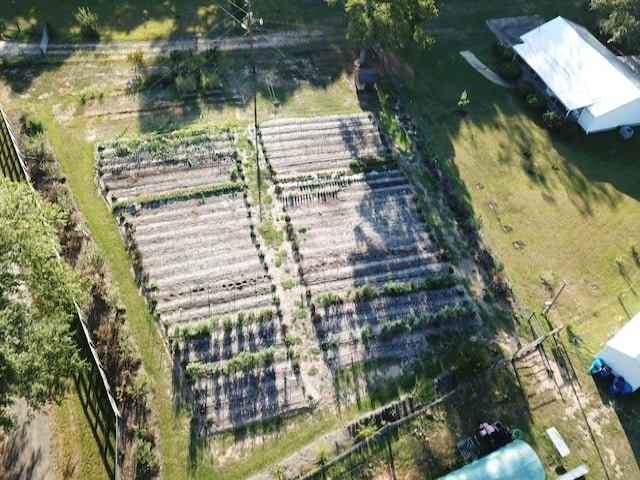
(447, 280)
(227, 324)
(135, 58)
(364, 293)
(210, 80)
(509, 70)
(198, 329)
(366, 165)
(398, 288)
(535, 101)
(463, 102)
(524, 88)
(300, 313)
(87, 22)
(270, 234)
(281, 258)
(265, 315)
(472, 359)
(328, 299)
(365, 332)
(322, 452)
(569, 130)
(33, 125)
(146, 462)
(194, 371)
(291, 340)
(186, 83)
(295, 365)
(551, 120)
(393, 328)
(501, 51)
(366, 430)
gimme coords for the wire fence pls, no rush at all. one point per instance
(11, 164)
(92, 386)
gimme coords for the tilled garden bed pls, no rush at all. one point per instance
(261, 331)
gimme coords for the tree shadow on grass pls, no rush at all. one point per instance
(198, 443)
(99, 415)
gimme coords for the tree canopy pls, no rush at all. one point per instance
(620, 22)
(388, 23)
(37, 348)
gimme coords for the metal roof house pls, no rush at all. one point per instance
(622, 353)
(580, 75)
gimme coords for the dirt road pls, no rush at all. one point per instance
(9, 49)
(25, 455)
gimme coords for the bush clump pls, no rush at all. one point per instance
(552, 121)
(569, 130)
(33, 125)
(535, 102)
(503, 53)
(365, 293)
(187, 83)
(88, 23)
(524, 89)
(327, 299)
(509, 70)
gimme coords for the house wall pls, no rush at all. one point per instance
(628, 114)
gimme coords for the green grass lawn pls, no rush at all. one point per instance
(573, 204)
(74, 448)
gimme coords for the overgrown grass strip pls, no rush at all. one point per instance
(164, 198)
(367, 165)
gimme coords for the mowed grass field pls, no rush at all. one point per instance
(572, 204)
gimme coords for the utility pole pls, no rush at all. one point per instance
(248, 27)
(549, 303)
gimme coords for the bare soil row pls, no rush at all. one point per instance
(199, 256)
(234, 400)
(307, 146)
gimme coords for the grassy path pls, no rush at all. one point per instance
(76, 158)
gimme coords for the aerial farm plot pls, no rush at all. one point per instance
(261, 331)
(374, 278)
(184, 211)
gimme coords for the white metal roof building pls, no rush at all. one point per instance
(595, 86)
(622, 353)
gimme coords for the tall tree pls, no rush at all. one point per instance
(620, 22)
(37, 349)
(388, 23)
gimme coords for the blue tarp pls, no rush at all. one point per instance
(515, 461)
